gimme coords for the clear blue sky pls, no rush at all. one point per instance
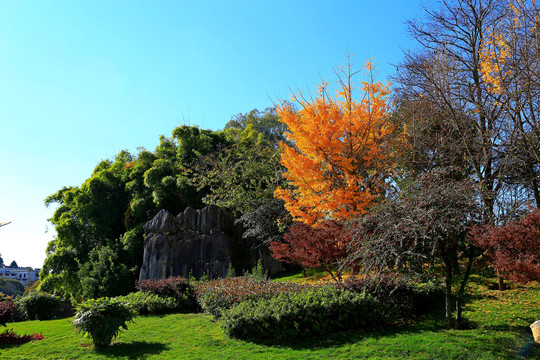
(82, 80)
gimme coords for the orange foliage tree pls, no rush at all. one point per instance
(339, 156)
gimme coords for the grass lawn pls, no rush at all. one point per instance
(500, 331)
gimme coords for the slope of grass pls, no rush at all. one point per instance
(500, 331)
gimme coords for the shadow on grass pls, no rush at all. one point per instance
(432, 325)
(133, 350)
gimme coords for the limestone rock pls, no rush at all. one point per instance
(196, 242)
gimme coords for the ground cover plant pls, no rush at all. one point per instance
(501, 332)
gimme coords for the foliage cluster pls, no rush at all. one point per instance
(102, 319)
(313, 311)
(217, 295)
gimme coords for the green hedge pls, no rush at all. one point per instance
(144, 303)
(314, 311)
(38, 305)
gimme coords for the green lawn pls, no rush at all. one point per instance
(500, 332)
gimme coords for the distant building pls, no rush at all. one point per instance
(24, 275)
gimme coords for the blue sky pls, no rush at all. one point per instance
(82, 80)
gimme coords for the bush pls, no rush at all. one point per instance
(8, 337)
(313, 311)
(174, 287)
(7, 309)
(11, 287)
(40, 306)
(401, 298)
(218, 295)
(143, 303)
(102, 319)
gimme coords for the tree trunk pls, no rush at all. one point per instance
(461, 292)
(501, 284)
(448, 295)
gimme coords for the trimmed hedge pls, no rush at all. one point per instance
(39, 306)
(215, 296)
(313, 311)
(144, 303)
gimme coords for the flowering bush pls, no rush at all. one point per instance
(313, 311)
(8, 337)
(217, 295)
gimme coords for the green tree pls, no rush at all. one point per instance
(104, 275)
(13, 264)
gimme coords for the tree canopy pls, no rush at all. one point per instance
(338, 159)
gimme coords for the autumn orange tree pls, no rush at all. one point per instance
(339, 158)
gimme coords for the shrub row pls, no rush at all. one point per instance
(215, 296)
(144, 303)
(313, 311)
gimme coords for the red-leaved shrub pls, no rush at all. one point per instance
(170, 287)
(7, 309)
(9, 337)
(513, 249)
(323, 246)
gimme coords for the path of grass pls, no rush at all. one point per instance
(502, 332)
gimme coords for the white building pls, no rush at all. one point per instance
(24, 275)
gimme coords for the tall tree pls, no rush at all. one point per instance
(447, 72)
(421, 233)
(339, 158)
(510, 65)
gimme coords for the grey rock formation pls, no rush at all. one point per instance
(196, 242)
